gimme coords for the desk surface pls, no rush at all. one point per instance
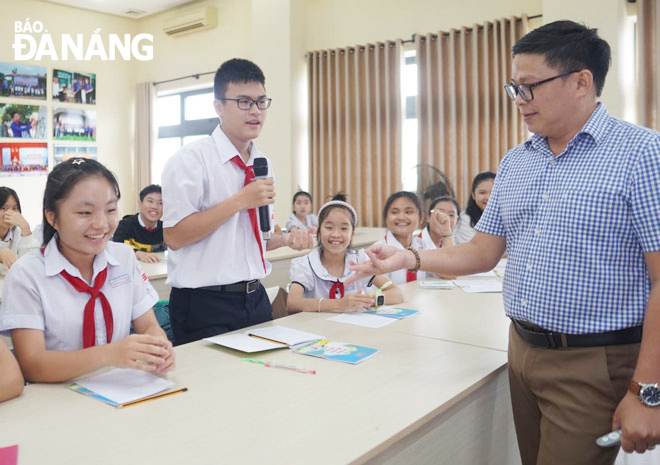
(237, 412)
(456, 316)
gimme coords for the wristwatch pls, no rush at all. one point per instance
(649, 394)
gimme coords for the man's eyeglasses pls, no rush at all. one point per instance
(525, 90)
(245, 103)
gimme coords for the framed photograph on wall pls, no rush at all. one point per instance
(23, 121)
(23, 158)
(73, 87)
(62, 152)
(17, 80)
(72, 124)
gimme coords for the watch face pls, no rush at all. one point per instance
(650, 395)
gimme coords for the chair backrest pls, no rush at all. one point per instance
(277, 297)
(272, 293)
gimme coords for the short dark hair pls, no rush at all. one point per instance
(569, 46)
(63, 179)
(5, 193)
(473, 210)
(236, 70)
(406, 194)
(299, 193)
(150, 189)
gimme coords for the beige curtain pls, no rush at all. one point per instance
(466, 121)
(648, 63)
(355, 126)
(145, 133)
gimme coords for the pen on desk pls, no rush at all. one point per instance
(381, 288)
(279, 365)
(269, 340)
(157, 396)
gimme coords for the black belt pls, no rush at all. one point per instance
(245, 287)
(538, 337)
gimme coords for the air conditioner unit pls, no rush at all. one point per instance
(191, 21)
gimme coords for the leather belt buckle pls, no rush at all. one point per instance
(251, 286)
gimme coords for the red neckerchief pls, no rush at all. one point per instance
(249, 175)
(89, 327)
(338, 286)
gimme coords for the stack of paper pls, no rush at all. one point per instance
(441, 284)
(479, 285)
(362, 319)
(259, 339)
(121, 386)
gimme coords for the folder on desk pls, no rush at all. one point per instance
(339, 351)
(267, 338)
(390, 311)
(122, 386)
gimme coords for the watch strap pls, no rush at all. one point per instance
(634, 387)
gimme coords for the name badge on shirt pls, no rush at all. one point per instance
(120, 280)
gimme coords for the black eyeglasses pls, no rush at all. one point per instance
(245, 103)
(525, 90)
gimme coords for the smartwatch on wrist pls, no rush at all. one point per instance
(649, 394)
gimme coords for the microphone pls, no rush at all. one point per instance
(260, 168)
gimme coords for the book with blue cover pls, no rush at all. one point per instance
(392, 312)
(339, 351)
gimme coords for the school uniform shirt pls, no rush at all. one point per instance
(309, 272)
(199, 176)
(464, 232)
(311, 220)
(425, 236)
(132, 231)
(18, 243)
(401, 276)
(37, 296)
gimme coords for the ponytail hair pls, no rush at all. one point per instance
(61, 182)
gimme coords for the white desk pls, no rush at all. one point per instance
(420, 400)
(280, 259)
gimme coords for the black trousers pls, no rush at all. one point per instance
(199, 313)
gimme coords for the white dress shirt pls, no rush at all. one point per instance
(199, 176)
(36, 296)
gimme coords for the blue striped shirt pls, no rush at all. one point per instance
(577, 226)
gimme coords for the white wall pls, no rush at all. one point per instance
(115, 94)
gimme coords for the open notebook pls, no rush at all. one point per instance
(259, 339)
(121, 387)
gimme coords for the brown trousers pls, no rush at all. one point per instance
(563, 399)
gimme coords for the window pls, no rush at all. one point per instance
(409, 129)
(181, 117)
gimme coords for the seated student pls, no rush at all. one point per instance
(317, 279)
(443, 216)
(403, 215)
(15, 235)
(144, 230)
(70, 307)
(11, 378)
(481, 187)
(302, 216)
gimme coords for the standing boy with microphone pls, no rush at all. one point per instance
(210, 216)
